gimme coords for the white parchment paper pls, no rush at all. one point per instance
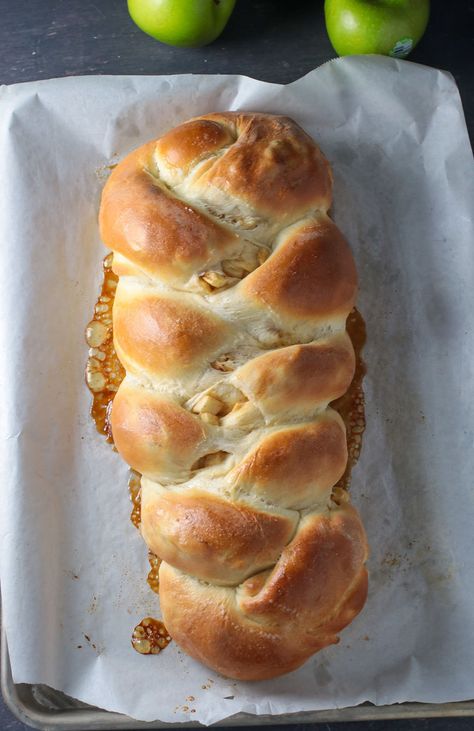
(73, 568)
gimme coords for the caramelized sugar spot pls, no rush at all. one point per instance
(153, 578)
(150, 637)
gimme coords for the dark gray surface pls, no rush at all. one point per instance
(273, 40)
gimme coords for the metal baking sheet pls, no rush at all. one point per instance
(48, 709)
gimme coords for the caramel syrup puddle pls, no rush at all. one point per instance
(351, 406)
(150, 637)
(153, 575)
(104, 374)
(134, 491)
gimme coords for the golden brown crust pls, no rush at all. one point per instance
(310, 275)
(155, 435)
(143, 221)
(313, 572)
(295, 378)
(229, 319)
(295, 466)
(276, 620)
(188, 144)
(213, 539)
(208, 627)
(274, 166)
(164, 334)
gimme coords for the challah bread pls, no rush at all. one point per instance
(230, 320)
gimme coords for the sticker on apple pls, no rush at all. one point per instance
(402, 48)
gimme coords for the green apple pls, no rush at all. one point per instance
(182, 22)
(389, 27)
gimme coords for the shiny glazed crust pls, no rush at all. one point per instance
(230, 319)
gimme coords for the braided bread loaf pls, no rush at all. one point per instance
(230, 321)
